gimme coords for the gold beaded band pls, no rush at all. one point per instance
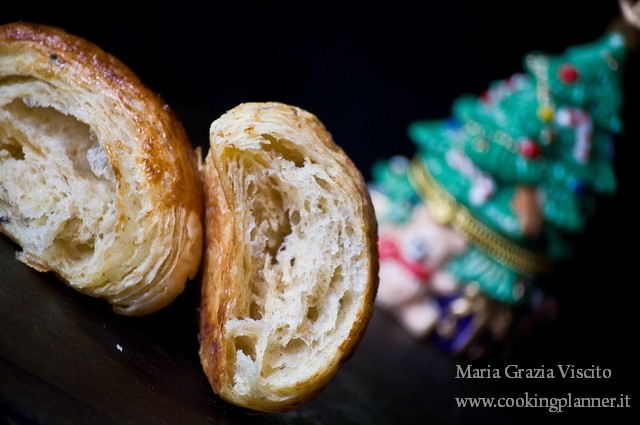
(445, 210)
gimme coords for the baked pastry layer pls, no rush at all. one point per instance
(98, 180)
(290, 267)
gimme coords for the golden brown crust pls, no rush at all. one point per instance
(149, 153)
(215, 299)
(223, 286)
(163, 145)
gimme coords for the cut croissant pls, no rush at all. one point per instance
(290, 266)
(98, 181)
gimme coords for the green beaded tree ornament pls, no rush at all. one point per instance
(527, 157)
(516, 170)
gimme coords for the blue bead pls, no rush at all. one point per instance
(577, 186)
(444, 301)
(452, 124)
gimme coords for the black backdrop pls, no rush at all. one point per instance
(367, 72)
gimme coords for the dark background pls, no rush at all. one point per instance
(366, 72)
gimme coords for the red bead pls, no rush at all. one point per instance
(568, 73)
(485, 97)
(530, 149)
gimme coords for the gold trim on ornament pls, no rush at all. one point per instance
(445, 210)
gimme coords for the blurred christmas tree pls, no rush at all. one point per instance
(527, 157)
(516, 170)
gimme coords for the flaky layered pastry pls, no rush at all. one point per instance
(290, 266)
(98, 181)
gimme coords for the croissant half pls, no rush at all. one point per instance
(290, 267)
(98, 181)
